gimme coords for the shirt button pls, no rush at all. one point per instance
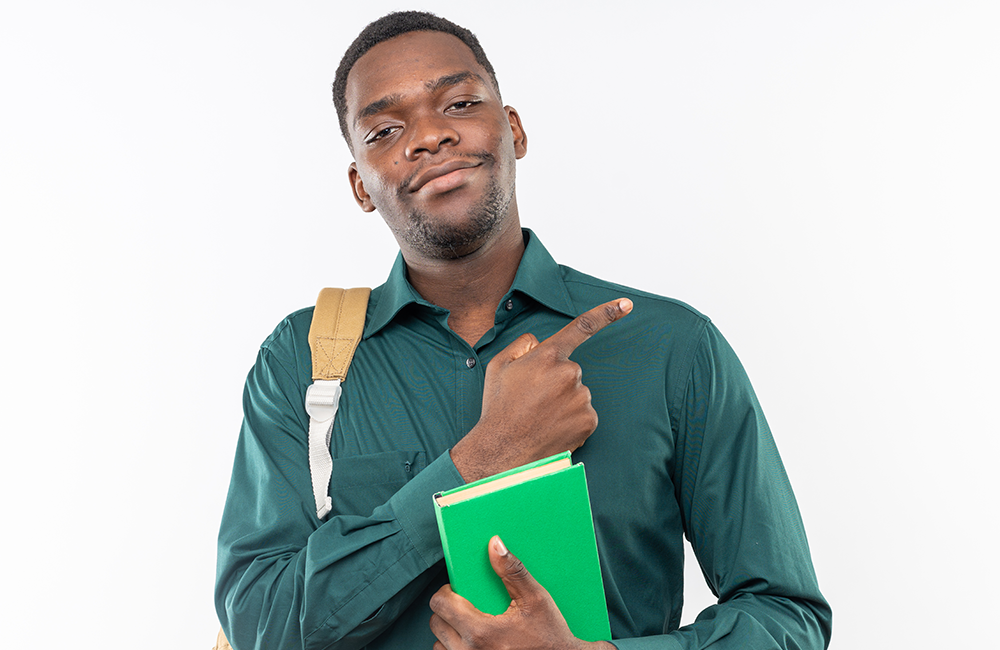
(471, 362)
(508, 305)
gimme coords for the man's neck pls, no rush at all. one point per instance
(472, 286)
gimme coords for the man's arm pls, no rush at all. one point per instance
(286, 579)
(740, 516)
(742, 520)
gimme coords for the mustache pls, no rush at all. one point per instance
(484, 156)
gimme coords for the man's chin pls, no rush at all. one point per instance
(447, 242)
(450, 237)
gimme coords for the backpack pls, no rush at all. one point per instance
(337, 325)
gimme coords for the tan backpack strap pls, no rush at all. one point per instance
(221, 643)
(337, 325)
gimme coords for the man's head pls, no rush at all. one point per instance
(434, 147)
(390, 26)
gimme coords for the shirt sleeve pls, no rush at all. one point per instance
(288, 580)
(741, 519)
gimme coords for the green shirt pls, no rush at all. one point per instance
(682, 448)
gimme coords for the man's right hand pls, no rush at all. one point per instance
(534, 400)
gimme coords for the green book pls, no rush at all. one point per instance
(541, 511)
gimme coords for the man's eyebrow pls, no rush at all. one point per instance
(377, 106)
(432, 86)
(452, 80)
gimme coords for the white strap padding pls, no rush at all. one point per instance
(322, 400)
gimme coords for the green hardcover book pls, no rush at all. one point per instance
(541, 511)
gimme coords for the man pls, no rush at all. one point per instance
(480, 354)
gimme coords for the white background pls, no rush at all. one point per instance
(820, 178)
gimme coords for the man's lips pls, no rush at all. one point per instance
(437, 171)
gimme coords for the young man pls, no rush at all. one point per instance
(480, 354)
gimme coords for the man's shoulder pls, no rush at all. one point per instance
(586, 291)
(292, 329)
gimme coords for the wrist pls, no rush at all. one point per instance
(480, 454)
(467, 462)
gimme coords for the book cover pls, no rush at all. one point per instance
(542, 513)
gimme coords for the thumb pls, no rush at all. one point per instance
(521, 346)
(515, 576)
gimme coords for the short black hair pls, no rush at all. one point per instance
(390, 26)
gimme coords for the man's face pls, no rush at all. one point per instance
(434, 148)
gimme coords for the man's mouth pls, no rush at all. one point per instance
(444, 176)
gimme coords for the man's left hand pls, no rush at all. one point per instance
(531, 621)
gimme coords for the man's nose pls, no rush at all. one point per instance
(429, 135)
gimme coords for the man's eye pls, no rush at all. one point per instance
(465, 103)
(380, 134)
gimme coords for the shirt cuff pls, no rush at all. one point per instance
(413, 506)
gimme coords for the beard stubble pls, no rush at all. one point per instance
(438, 240)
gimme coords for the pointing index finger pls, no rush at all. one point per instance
(587, 324)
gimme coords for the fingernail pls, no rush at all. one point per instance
(499, 547)
(625, 305)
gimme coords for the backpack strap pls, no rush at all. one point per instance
(337, 325)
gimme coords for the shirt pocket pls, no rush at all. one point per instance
(362, 483)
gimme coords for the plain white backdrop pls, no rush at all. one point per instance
(822, 179)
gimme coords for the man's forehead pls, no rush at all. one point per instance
(422, 56)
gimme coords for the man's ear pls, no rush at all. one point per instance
(358, 187)
(520, 137)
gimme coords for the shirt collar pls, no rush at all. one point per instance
(538, 276)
